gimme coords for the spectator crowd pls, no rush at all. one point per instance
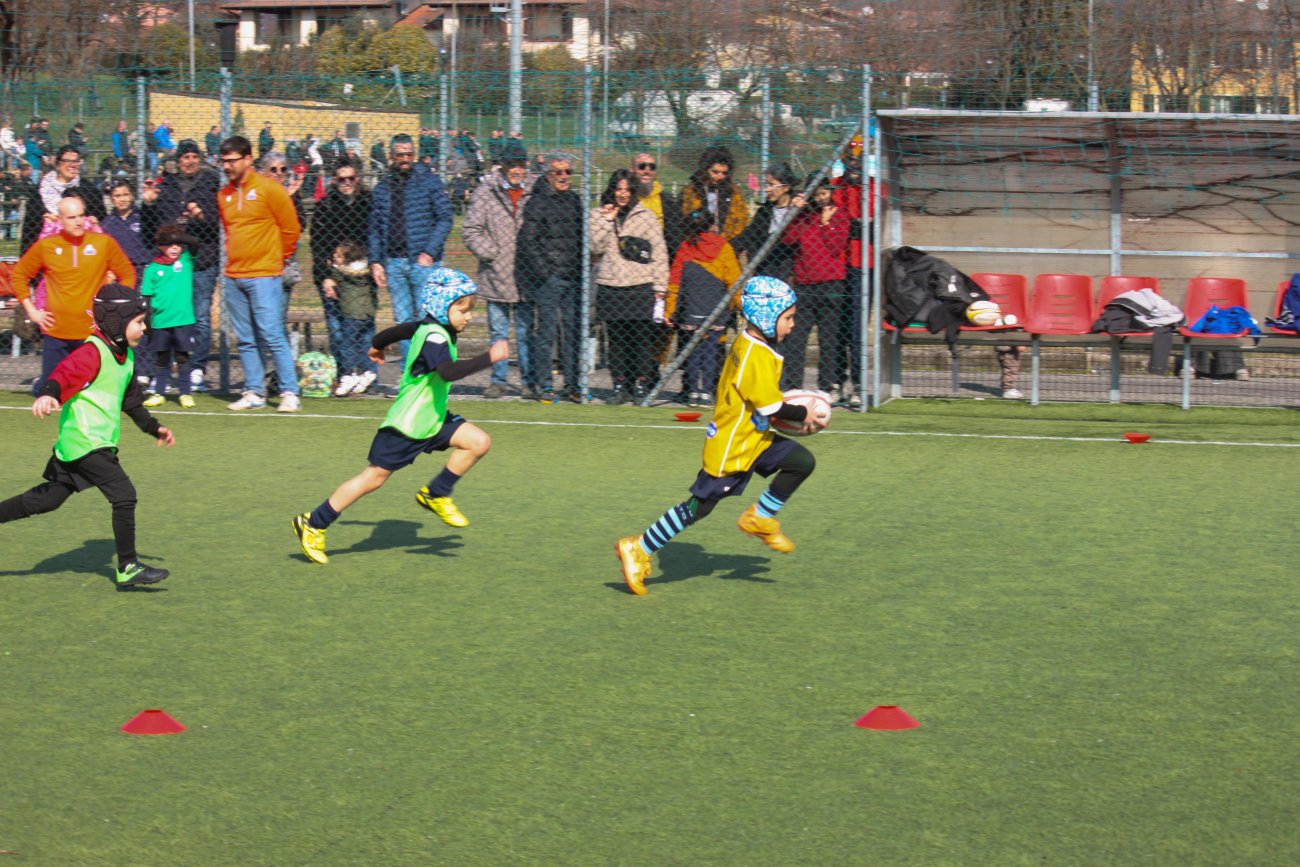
(661, 263)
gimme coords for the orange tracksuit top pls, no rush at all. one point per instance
(74, 271)
(261, 227)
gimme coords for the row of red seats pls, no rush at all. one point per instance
(1065, 304)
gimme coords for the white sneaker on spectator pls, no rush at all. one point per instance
(1013, 394)
(365, 379)
(347, 382)
(248, 401)
(289, 403)
(196, 381)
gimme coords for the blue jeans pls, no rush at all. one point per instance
(205, 283)
(256, 307)
(554, 304)
(499, 313)
(354, 339)
(53, 350)
(405, 279)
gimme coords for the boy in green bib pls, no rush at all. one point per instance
(419, 421)
(90, 389)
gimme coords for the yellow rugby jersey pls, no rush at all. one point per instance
(749, 390)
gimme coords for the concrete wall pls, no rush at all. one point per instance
(192, 116)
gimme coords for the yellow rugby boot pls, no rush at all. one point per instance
(636, 563)
(767, 529)
(311, 539)
(443, 507)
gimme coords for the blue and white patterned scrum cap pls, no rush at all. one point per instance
(763, 300)
(444, 288)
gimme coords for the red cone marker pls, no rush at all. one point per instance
(887, 718)
(153, 722)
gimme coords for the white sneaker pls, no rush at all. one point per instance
(289, 403)
(347, 382)
(1013, 394)
(196, 381)
(365, 379)
(248, 401)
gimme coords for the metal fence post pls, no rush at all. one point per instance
(223, 339)
(141, 95)
(586, 345)
(444, 158)
(765, 130)
(869, 324)
(871, 168)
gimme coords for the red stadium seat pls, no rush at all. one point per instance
(1277, 308)
(1118, 285)
(1060, 304)
(1205, 292)
(1009, 293)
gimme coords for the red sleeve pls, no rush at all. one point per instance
(793, 233)
(76, 371)
(836, 232)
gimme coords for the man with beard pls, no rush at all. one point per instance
(188, 198)
(410, 219)
(658, 200)
(262, 232)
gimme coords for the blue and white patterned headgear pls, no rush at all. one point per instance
(443, 288)
(763, 300)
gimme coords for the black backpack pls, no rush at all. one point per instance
(926, 289)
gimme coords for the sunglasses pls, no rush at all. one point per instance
(279, 170)
(646, 166)
(347, 179)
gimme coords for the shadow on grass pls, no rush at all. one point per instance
(681, 562)
(388, 535)
(96, 556)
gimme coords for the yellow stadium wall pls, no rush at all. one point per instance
(192, 115)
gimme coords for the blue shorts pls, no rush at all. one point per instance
(709, 487)
(391, 450)
(178, 338)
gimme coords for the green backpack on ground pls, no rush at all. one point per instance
(316, 374)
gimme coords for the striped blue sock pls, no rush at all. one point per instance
(769, 504)
(674, 520)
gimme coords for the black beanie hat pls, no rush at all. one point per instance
(114, 307)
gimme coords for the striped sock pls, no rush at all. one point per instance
(769, 504)
(674, 520)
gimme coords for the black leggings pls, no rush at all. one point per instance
(100, 470)
(791, 472)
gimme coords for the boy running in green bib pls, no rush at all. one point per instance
(419, 421)
(90, 389)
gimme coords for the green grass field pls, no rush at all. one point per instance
(1099, 640)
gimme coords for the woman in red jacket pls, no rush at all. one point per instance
(821, 233)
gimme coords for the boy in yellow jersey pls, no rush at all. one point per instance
(418, 421)
(740, 441)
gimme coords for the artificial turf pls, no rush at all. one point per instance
(1099, 640)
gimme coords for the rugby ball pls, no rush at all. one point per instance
(819, 408)
(984, 313)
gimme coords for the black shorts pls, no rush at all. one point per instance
(178, 338)
(392, 450)
(709, 487)
(99, 469)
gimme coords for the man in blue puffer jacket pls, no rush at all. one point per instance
(410, 219)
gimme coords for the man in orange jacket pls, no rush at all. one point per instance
(262, 231)
(75, 266)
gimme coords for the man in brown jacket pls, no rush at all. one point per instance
(490, 230)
